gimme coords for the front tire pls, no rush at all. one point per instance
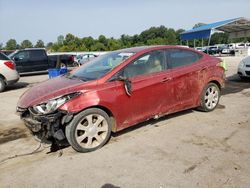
(89, 130)
(210, 97)
(2, 85)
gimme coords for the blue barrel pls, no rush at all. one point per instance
(57, 72)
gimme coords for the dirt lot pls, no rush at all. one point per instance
(187, 149)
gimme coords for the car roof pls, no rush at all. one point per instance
(147, 48)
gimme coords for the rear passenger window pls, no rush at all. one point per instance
(37, 55)
(178, 58)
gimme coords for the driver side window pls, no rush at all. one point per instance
(146, 64)
(22, 55)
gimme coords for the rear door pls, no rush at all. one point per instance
(38, 60)
(185, 67)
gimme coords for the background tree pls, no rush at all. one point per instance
(98, 47)
(60, 39)
(88, 42)
(39, 44)
(11, 44)
(153, 36)
(219, 38)
(26, 44)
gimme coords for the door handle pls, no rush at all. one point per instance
(166, 79)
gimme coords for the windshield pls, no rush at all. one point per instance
(99, 66)
(3, 57)
(12, 54)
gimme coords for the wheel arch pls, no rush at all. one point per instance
(108, 111)
(216, 82)
(4, 79)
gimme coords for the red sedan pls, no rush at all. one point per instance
(118, 90)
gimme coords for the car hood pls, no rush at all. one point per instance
(247, 60)
(49, 89)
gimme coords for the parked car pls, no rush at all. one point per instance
(36, 60)
(118, 90)
(8, 73)
(244, 68)
(83, 58)
(200, 49)
(213, 50)
(228, 51)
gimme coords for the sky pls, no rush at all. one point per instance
(47, 19)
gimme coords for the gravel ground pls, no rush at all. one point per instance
(186, 149)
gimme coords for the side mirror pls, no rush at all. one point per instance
(122, 78)
(127, 84)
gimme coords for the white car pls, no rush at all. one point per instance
(244, 68)
(8, 73)
(83, 58)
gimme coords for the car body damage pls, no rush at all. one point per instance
(146, 82)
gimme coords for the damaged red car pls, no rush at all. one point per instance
(118, 90)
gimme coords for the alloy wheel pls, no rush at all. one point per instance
(91, 131)
(211, 97)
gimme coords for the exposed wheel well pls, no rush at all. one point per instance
(216, 82)
(4, 79)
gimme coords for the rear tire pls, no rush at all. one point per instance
(210, 97)
(2, 85)
(89, 130)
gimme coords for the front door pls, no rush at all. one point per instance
(149, 80)
(21, 58)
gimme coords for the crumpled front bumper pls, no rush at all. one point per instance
(49, 125)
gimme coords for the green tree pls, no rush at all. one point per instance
(39, 44)
(113, 44)
(151, 36)
(69, 39)
(60, 39)
(126, 40)
(102, 39)
(49, 44)
(219, 38)
(26, 44)
(88, 42)
(11, 44)
(98, 47)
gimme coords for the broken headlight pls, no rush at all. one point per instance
(53, 104)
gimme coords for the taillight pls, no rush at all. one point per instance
(10, 64)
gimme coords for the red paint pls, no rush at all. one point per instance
(10, 64)
(153, 94)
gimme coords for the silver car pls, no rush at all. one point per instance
(244, 68)
(8, 73)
